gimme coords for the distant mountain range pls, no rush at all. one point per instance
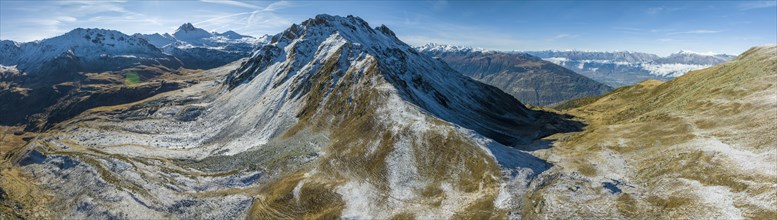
(699, 146)
(59, 75)
(100, 50)
(200, 49)
(526, 77)
(91, 50)
(624, 68)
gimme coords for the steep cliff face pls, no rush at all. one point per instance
(525, 77)
(332, 118)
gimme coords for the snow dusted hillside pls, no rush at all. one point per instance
(625, 67)
(332, 118)
(699, 146)
(440, 48)
(158, 40)
(90, 49)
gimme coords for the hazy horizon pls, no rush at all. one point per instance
(653, 27)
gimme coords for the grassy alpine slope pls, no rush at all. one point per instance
(699, 146)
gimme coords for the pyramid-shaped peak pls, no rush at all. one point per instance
(187, 32)
(186, 27)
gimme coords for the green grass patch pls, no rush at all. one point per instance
(131, 78)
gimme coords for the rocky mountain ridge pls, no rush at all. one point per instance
(332, 118)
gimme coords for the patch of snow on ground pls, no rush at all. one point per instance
(360, 199)
(719, 197)
(760, 163)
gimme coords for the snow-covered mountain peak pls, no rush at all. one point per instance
(88, 36)
(434, 47)
(186, 27)
(328, 29)
(232, 35)
(690, 52)
(325, 49)
(187, 32)
(198, 48)
(86, 41)
(697, 58)
(84, 49)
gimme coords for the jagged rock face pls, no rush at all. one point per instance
(625, 68)
(528, 78)
(331, 119)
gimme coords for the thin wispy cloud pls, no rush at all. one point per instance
(233, 3)
(255, 22)
(92, 7)
(628, 29)
(268, 8)
(757, 5)
(277, 6)
(61, 16)
(715, 25)
(562, 36)
(654, 11)
(700, 31)
(262, 18)
(226, 18)
(462, 35)
(659, 10)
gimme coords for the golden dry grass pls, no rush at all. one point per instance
(21, 198)
(652, 126)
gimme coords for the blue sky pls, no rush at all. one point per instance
(660, 27)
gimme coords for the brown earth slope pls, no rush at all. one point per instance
(699, 146)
